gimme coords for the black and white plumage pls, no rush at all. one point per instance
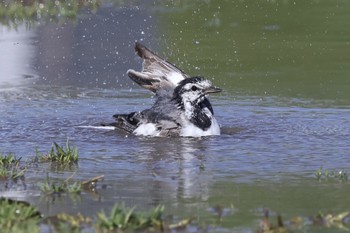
(181, 107)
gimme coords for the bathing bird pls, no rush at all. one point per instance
(181, 107)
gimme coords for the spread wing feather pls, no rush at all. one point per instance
(157, 74)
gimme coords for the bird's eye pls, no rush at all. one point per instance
(194, 88)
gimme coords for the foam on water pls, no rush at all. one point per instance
(97, 127)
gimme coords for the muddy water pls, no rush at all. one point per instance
(284, 113)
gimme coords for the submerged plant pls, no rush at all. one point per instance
(12, 173)
(49, 187)
(10, 159)
(201, 166)
(336, 221)
(319, 173)
(12, 13)
(122, 218)
(328, 175)
(59, 154)
(332, 220)
(69, 223)
(18, 216)
(267, 227)
(21, 217)
(10, 168)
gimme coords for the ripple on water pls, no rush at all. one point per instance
(258, 139)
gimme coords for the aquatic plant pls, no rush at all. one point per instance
(13, 13)
(49, 187)
(18, 216)
(122, 218)
(59, 154)
(74, 187)
(267, 227)
(9, 159)
(12, 173)
(69, 223)
(339, 175)
(201, 166)
(336, 221)
(332, 220)
(10, 168)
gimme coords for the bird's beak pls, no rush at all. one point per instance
(212, 90)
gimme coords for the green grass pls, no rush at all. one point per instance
(9, 159)
(120, 219)
(13, 13)
(336, 221)
(17, 216)
(123, 218)
(70, 223)
(10, 167)
(50, 187)
(60, 154)
(21, 217)
(12, 173)
(329, 175)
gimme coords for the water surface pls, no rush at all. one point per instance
(284, 66)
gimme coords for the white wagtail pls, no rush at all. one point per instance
(181, 107)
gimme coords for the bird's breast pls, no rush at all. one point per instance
(196, 128)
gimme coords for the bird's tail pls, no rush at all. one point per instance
(125, 122)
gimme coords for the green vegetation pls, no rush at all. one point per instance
(49, 187)
(267, 227)
(18, 216)
(328, 175)
(123, 218)
(59, 154)
(201, 167)
(10, 168)
(336, 221)
(9, 159)
(69, 223)
(332, 220)
(13, 13)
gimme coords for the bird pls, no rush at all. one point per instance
(181, 106)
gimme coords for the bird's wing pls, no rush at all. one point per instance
(125, 122)
(168, 128)
(157, 74)
(164, 118)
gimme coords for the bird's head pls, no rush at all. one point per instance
(193, 90)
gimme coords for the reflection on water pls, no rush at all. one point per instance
(94, 53)
(281, 121)
(285, 48)
(187, 154)
(17, 54)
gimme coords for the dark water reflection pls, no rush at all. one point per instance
(276, 134)
(93, 52)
